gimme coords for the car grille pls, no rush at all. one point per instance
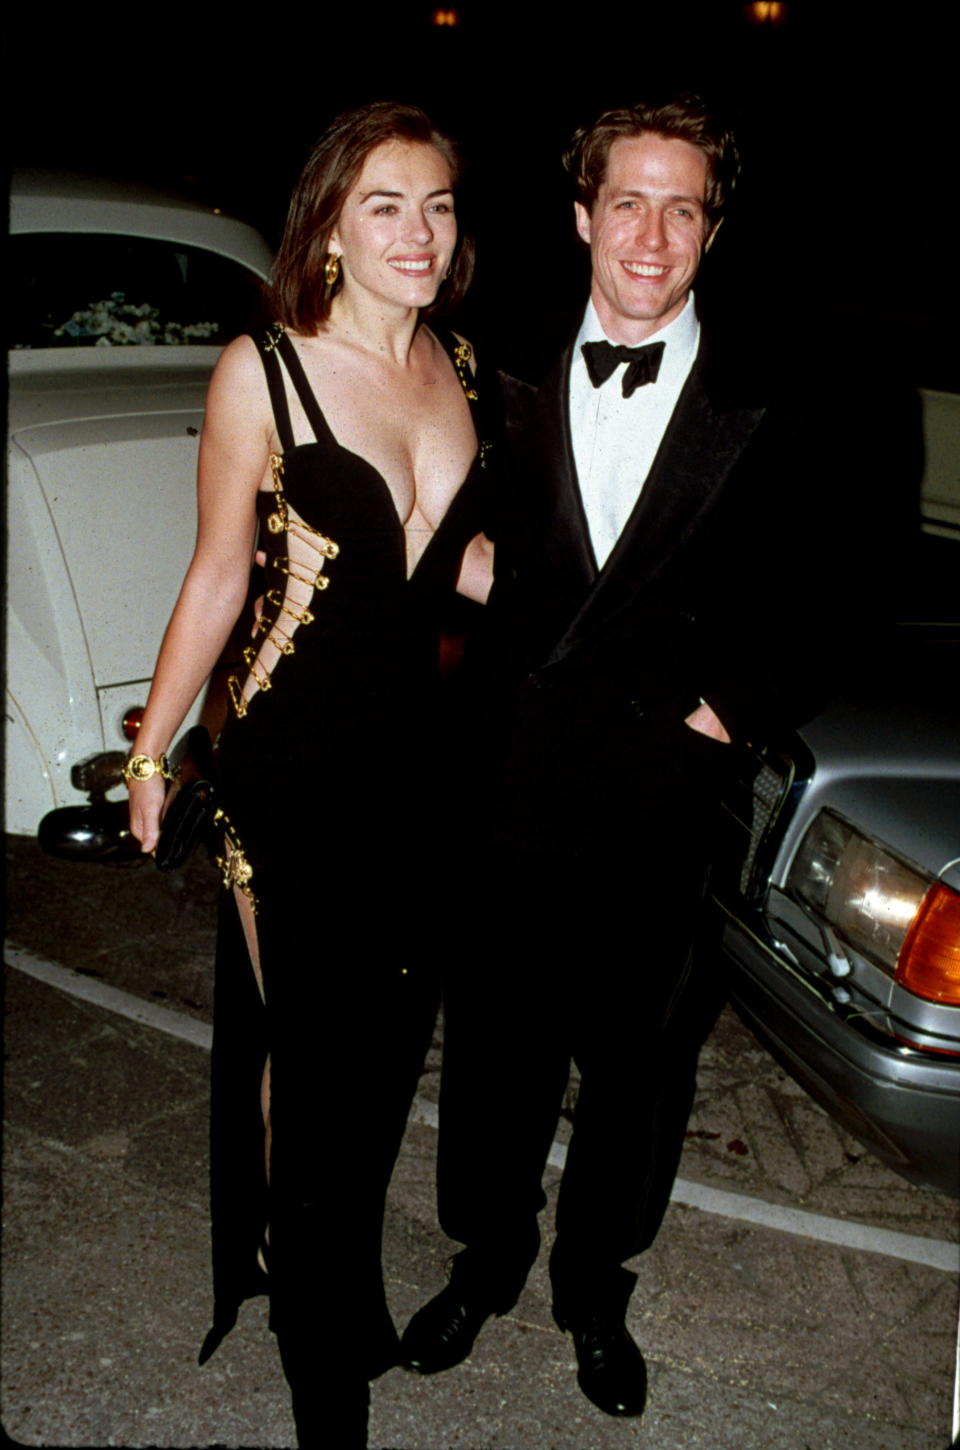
(754, 809)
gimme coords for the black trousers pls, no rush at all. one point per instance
(596, 960)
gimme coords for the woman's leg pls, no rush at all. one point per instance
(248, 922)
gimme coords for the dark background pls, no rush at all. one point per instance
(844, 224)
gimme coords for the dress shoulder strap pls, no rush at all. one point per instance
(305, 393)
(267, 348)
(479, 389)
(273, 342)
(461, 355)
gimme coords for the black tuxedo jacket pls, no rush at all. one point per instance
(724, 586)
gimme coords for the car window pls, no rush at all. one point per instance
(73, 289)
(927, 588)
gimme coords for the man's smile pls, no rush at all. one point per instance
(644, 269)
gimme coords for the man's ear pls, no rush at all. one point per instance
(582, 217)
(712, 234)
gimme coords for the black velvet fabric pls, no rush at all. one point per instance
(336, 782)
(738, 580)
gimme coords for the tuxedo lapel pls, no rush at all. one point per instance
(548, 496)
(702, 443)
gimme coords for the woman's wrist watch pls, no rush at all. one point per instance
(145, 767)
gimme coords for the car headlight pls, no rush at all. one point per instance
(903, 920)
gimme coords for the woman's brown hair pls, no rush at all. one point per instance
(299, 294)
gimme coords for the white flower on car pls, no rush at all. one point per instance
(114, 322)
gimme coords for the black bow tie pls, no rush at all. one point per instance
(643, 363)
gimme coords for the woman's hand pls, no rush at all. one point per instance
(476, 571)
(146, 810)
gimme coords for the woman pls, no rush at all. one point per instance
(348, 434)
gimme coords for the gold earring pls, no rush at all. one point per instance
(331, 268)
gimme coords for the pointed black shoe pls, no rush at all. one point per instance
(442, 1333)
(611, 1372)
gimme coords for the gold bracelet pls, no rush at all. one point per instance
(144, 767)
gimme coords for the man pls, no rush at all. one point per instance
(652, 496)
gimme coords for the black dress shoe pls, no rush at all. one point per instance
(441, 1334)
(611, 1369)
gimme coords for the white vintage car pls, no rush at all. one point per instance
(122, 301)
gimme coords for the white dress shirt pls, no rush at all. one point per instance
(615, 439)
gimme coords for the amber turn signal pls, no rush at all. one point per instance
(929, 960)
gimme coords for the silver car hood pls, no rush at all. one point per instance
(887, 755)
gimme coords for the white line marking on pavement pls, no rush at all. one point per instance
(934, 1253)
(112, 999)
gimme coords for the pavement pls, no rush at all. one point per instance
(800, 1295)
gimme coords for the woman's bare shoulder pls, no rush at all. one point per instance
(240, 361)
(238, 413)
(238, 382)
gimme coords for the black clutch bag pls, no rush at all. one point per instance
(191, 805)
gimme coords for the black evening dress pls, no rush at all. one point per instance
(339, 781)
